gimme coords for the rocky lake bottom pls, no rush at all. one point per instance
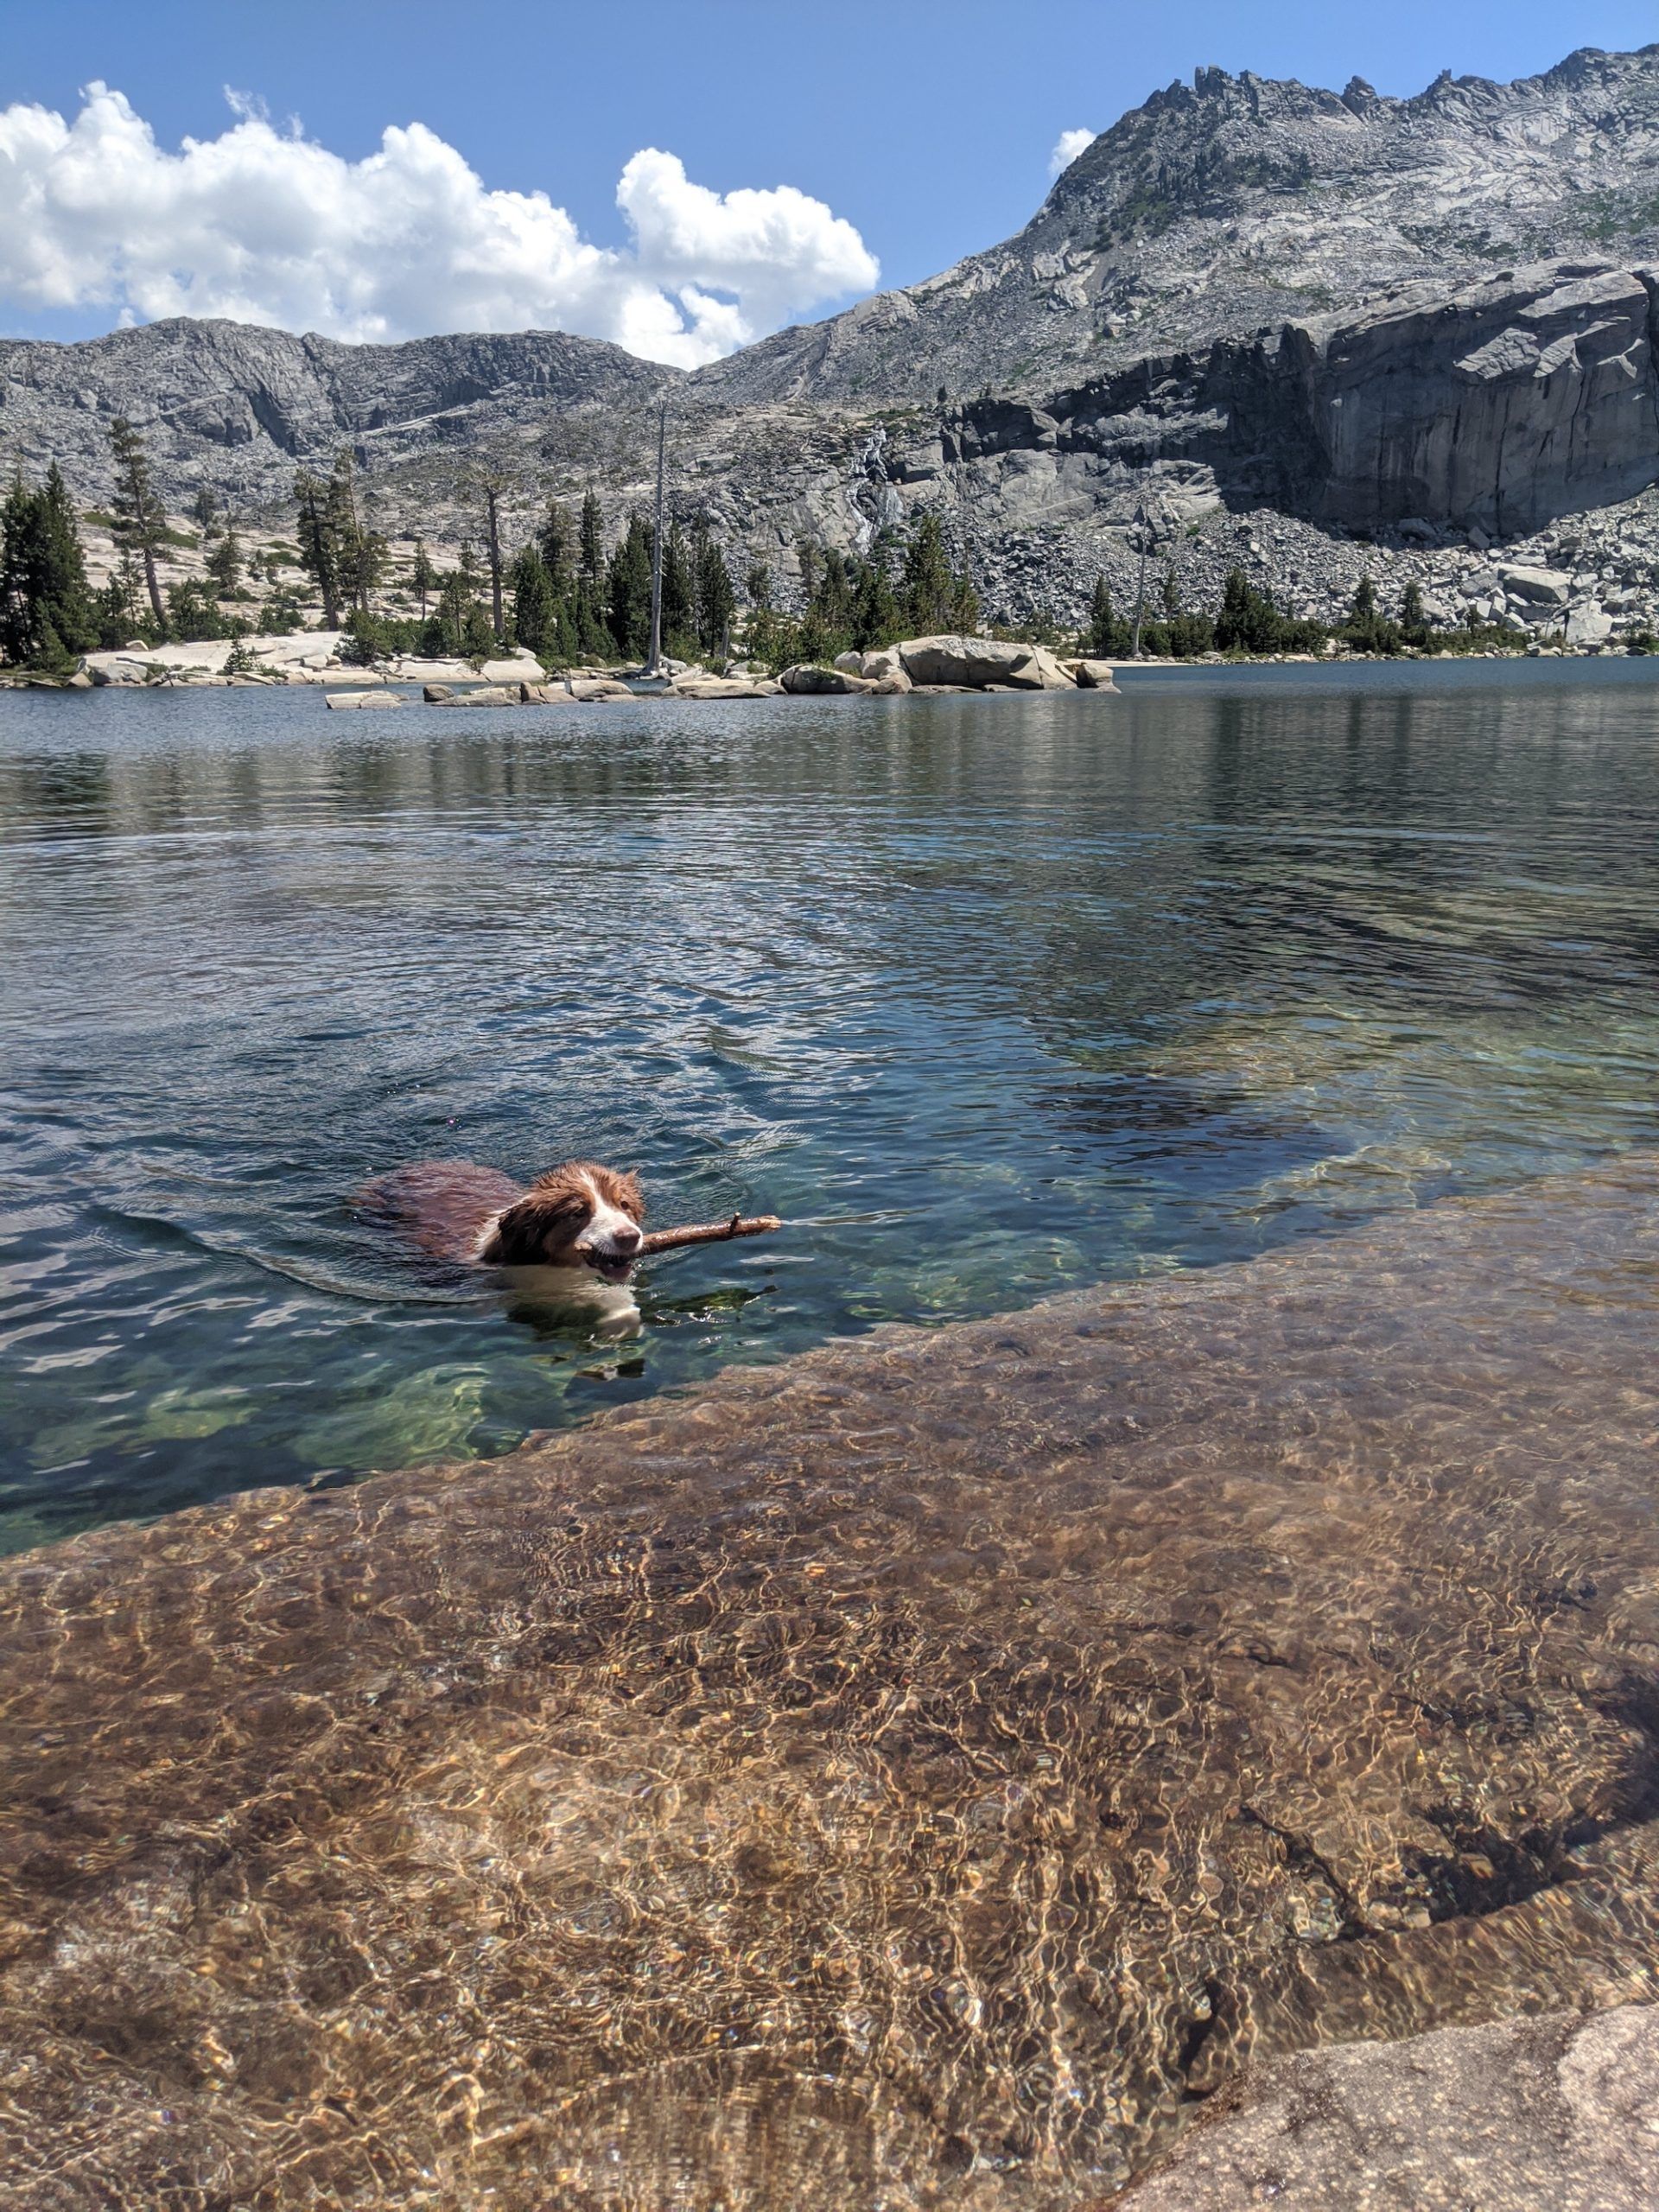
(1155, 1565)
(916, 1775)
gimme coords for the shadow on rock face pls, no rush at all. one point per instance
(911, 1776)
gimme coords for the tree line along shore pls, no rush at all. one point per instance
(572, 599)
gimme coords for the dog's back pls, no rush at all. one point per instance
(440, 1205)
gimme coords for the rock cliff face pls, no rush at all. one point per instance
(1529, 395)
(238, 407)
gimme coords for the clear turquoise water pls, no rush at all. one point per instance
(988, 997)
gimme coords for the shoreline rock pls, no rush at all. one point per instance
(1556, 2110)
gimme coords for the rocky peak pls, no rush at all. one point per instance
(1238, 202)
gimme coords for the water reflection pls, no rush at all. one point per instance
(988, 998)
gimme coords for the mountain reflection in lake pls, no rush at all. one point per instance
(908, 1777)
(988, 997)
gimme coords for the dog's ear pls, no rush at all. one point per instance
(625, 1191)
(521, 1236)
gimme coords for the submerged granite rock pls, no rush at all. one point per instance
(1557, 2112)
(916, 1776)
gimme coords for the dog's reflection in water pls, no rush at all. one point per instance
(566, 1245)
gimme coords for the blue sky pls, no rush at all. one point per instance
(924, 128)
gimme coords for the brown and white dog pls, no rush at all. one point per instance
(570, 1237)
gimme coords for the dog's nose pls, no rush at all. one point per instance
(627, 1240)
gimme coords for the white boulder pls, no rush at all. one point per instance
(980, 662)
(704, 686)
(592, 690)
(414, 670)
(1536, 587)
(1588, 626)
(806, 680)
(884, 667)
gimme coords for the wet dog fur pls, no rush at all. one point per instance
(574, 1233)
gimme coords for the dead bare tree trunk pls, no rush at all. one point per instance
(491, 509)
(152, 584)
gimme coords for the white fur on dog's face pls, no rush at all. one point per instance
(609, 1242)
(579, 1217)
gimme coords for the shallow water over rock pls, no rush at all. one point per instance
(909, 1776)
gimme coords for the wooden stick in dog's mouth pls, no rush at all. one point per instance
(707, 1232)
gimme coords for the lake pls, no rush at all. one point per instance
(988, 997)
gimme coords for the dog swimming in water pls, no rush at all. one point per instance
(571, 1238)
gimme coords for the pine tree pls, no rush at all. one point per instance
(46, 614)
(760, 629)
(716, 601)
(591, 556)
(1365, 628)
(806, 556)
(205, 508)
(556, 543)
(193, 612)
(679, 591)
(319, 549)
(876, 611)
(69, 599)
(492, 486)
(1249, 622)
(628, 588)
(932, 597)
(1104, 637)
(535, 621)
(444, 637)
(422, 574)
(477, 638)
(1414, 618)
(359, 555)
(117, 610)
(140, 518)
(19, 631)
(225, 562)
(832, 603)
(593, 639)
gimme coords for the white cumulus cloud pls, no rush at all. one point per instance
(263, 226)
(1067, 147)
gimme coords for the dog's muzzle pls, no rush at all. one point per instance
(607, 1263)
